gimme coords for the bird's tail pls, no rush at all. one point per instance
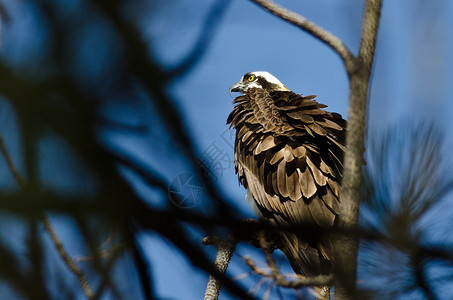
(304, 258)
(308, 260)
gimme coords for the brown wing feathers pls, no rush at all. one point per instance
(288, 153)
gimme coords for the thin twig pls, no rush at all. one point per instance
(224, 254)
(320, 280)
(317, 31)
(323, 292)
(257, 287)
(102, 253)
(268, 255)
(268, 292)
(210, 26)
(48, 227)
(10, 163)
(67, 259)
(249, 262)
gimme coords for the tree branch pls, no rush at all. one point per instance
(224, 254)
(72, 266)
(315, 30)
(10, 163)
(48, 227)
(369, 32)
(346, 245)
(210, 25)
(279, 279)
(320, 280)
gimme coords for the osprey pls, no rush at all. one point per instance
(288, 155)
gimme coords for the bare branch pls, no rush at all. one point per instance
(224, 254)
(48, 227)
(278, 278)
(210, 25)
(265, 246)
(318, 32)
(369, 32)
(346, 245)
(10, 163)
(320, 280)
(103, 253)
(67, 259)
(323, 291)
(249, 262)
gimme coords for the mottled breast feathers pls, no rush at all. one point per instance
(287, 145)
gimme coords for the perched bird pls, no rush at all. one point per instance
(288, 156)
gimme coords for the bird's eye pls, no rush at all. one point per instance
(251, 78)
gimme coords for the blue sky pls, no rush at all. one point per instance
(411, 82)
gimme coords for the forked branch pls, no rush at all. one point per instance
(346, 245)
(320, 280)
(315, 30)
(280, 280)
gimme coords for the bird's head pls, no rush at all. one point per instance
(260, 80)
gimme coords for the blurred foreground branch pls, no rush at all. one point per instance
(69, 110)
(69, 262)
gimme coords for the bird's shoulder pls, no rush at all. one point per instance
(286, 113)
(304, 112)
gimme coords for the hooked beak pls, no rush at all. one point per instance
(237, 87)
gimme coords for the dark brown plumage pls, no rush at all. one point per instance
(288, 155)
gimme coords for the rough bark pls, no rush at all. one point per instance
(225, 251)
(346, 245)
